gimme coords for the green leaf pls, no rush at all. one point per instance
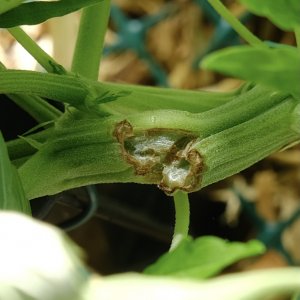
(296, 296)
(203, 257)
(110, 96)
(7, 5)
(39, 11)
(12, 196)
(275, 67)
(284, 13)
(33, 143)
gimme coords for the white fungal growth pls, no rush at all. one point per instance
(174, 176)
(150, 149)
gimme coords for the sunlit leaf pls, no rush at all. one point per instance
(12, 196)
(40, 11)
(284, 13)
(203, 257)
(275, 67)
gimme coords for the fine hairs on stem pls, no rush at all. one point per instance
(182, 218)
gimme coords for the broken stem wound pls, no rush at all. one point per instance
(165, 156)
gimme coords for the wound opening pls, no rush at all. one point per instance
(165, 156)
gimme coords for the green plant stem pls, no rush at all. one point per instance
(236, 24)
(85, 151)
(297, 36)
(182, 218)
(20, 150)
(205, 122)
(8, 5)
(64, 88)
(73, 90)
(229, 137)
(89, 45)
(143, 98)
(45, 60)
(249, 141)
(35, 106)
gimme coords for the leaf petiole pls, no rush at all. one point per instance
(297, 36)
(247, 35)
(44, 59)
(182, 218)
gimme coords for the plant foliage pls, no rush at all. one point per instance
(284, 13)
(203, 257)
(275, 67)
(39, 11)
(12, 196)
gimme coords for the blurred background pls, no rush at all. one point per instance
(124, 227)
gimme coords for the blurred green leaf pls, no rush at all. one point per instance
(203, 257)
(283, 13)
(296, 296)
(7, 5)
(12, 196)
(275, 67)
(251, 285)
(39, 11)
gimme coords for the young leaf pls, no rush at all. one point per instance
(203, 257)
(39, 11)
(12, 196)
(275, 67)
(284, 13)
(33, 143)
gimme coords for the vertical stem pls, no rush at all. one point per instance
(247, 35)
(182, 218)
(45, 60)
(86, 62)
(89, 45)
(297, 35)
